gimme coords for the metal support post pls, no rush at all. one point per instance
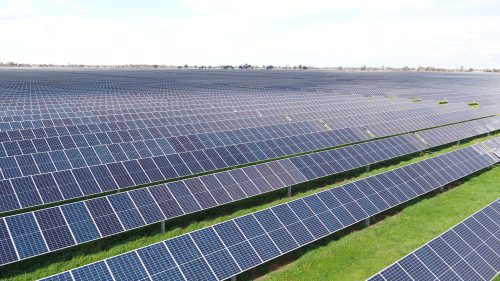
(367, 222)
(441, 189)
(233, 278)
(289, 191)
(368, 168)
(162, 226)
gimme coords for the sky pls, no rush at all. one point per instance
(259, 32)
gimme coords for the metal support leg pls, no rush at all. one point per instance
(233, 278)
(368, 168)
(458, 142)
(162, 226)
(367, 222)
(441, 189)
(289, 191)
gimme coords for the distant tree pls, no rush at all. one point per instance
(179, 67)
(244, 66)
(363, 68)
(304, 67)
(186, 66)
(155, 66)
(269, 67)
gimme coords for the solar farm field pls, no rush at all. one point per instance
(126, 174)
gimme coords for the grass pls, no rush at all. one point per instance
(474, 104)
(84, 254)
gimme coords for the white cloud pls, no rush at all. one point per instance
(315, 32)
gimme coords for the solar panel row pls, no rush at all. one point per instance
(392, 127)
(226, 249)
(448, 134)
(468, 251)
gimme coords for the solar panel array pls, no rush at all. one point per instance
(226, 249)
(69, 134)
(117, 213)
(468, 251)
(82, 133)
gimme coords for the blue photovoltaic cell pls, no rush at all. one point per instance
(54, 228)
(268, 220)
(249, 226)
(126, 210)
(127, 267)
(264, 247)
(283, 240)
(207, 241)
(104, 216)
(183, 249)
(156, 258)
(146, 206)
(222, 264)
(316, 227)
(80, 222)
(300, 233)
(244, 255)
(173, 274)
(229, 233)
(8, 253)
(197, 270)
(26, 235)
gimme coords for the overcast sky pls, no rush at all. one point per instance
(203, 32)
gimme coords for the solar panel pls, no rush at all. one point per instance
(467, 251)
(226, 249)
